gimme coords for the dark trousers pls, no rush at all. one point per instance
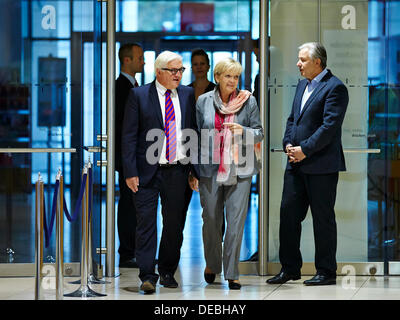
(126, 221)
(169, 183)
(188, 197)
(301, 191)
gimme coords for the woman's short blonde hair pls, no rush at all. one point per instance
(227, 64)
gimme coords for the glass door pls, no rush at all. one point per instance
(355, 36)
(91, 62)
(222, 29)
(42, 112)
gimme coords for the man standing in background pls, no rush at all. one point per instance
(132, 62)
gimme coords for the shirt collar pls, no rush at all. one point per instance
(130, 78)
(162, 89)
(313, 83)
(319, 77)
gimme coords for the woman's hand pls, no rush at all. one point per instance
(244, 94)
(235, 128)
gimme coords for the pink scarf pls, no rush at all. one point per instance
(226, 152)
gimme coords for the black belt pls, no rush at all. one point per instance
(169, 165)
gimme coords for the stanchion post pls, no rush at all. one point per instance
(38, 237)
(92, 278)
(84, 289)
(84, 269)
(90, 261)
(60, 239)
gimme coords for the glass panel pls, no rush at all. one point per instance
(167, 28)
(384, 97)
(50, 19)
(50, 71)
(86, 15)
(357, 35)
(347, 47)
(41, 107)
(236, 12)
(347, 58)
(94, 89)
(52, 96)
(292, 23)
(229, 16)
(83, 15)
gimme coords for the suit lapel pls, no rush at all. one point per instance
(155, 103)
(298, 97)
(318, 88)
(128, 83)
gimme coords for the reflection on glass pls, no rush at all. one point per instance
(366, 59)
(39, 109)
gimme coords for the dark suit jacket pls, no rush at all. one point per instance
(143, 113)
(210, 86)
(122, 88)
(256, 92)
(318, 128)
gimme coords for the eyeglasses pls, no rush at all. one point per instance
(175, 71)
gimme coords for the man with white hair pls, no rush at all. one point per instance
(313, 144)
(165, 105)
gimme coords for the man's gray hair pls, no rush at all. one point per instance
(165, 57)
(316, 51)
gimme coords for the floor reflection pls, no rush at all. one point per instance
(17, 236)
(192, 247)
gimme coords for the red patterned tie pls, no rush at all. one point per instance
(170, 128)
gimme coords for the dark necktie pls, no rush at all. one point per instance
(170, 128)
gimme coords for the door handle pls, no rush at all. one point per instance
(345, 150)
(37, 150)
(101, 163)
(95, 149)
(102, 137)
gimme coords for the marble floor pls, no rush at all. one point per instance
(192, 286)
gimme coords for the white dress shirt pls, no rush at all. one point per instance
(180, 153)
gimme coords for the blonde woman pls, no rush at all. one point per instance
(233, 117)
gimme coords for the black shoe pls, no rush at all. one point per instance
(283, 277)
(148, 287)
(168, 281)
(209, 277)
(234, 285)
(131, 263)
(320, 280)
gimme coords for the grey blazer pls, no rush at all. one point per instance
(248, 117)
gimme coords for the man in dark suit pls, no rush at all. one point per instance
(131, 62)
(312, 142)
(256, 92)
(168, 107)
